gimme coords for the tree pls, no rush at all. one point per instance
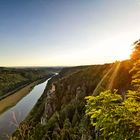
(114, 118)
(136, 51)
(135, 71)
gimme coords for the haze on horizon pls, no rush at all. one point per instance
(67, 32)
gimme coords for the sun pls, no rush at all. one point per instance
(120, 50)
(123, 53)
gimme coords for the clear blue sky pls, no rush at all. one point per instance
(67, 32)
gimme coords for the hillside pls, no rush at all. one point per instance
(12, 79)
(60, 112)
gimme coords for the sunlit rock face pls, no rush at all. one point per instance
(49, 104)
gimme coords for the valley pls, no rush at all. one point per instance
(60, 112)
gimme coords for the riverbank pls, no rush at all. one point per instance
(13, 79)
(24, 85)
(16, 96)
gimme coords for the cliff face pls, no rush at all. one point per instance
(60, 112)
(49, 106)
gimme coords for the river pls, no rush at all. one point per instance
(17, 106)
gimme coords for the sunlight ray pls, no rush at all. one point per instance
(113, 76)
(95, 92)
(114, 71)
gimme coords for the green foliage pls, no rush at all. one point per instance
(114, 118)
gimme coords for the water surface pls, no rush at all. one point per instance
(16, 107)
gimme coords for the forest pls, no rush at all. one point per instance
(100, 102)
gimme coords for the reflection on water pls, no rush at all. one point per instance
(19, 104)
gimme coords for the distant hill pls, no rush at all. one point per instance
(15, 78)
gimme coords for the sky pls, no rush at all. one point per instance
(67, 32)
